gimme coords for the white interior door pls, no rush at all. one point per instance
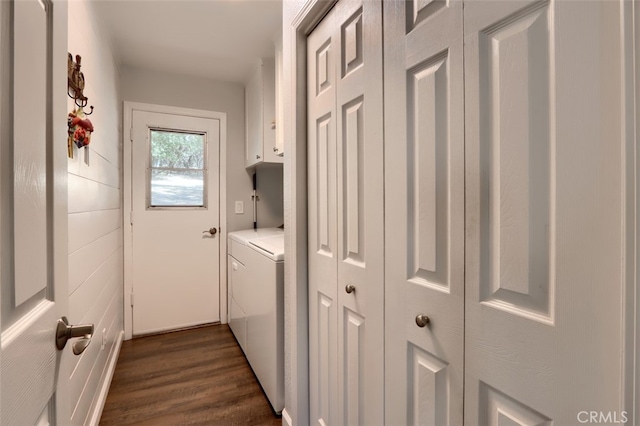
(33, 218)
(175, 202)
(346, 215)
(322, 51)
(424, 215)
(544, 211)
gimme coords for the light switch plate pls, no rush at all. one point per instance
(239, 207)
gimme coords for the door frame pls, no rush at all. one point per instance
(127, 135)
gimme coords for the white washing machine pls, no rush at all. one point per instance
(256, 305)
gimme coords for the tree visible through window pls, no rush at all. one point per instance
(178, 169)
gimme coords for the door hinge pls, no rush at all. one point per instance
(131, 218)
(131, 299)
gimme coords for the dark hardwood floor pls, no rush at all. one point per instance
(197, 376)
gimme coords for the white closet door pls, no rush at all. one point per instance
(544, 210)
(346, 215)
(360, 168)
(322, 51)
(424, 214)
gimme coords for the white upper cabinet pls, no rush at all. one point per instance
(260, 107)
(279, 102)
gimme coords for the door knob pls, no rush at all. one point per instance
(350, 289)
(212, 231)
(422, 320)
(64, 332)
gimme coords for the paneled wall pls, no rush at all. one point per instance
(95, 216)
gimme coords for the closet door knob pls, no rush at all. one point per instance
(422, 320)
(350, 289)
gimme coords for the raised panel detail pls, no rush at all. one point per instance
(326, 347)
(31, 41)
(419, 11)
(323, 67)
(353, 367)
(499, 409)
(517, 142)
(427, 179)
(353, 181)
(352, 43)
(428, 381)
(323, 142)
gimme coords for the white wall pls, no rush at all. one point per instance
(147, 86)
(95, 215)
(270, 196)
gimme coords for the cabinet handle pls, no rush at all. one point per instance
(350, 289)
(422, 320)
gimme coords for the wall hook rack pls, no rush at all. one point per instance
(75, 85)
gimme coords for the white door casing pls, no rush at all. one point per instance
(544, 209)
(175, 264)
(345, 163)
(33, 218)
(424, 213)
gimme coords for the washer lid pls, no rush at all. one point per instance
(243, 237)
(272, 247)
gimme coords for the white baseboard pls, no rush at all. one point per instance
(106, 383)
(286, 418)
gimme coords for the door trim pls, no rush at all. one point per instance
(129, 108)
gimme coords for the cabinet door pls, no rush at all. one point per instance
(544, 101)
(346, 215)
(279, 101)
(269, 125)
(253, 119)
(424, 256)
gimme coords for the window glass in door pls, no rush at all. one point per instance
(177, 172)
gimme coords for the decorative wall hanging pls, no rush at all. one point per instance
(80, 127)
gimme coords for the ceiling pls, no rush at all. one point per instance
(217, 39)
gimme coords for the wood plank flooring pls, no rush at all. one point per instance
(197, 376)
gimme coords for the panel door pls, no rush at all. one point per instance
(175, 201)
(322, 51)
(424, 223)
(360, 203)
(544, 232)
(346, 215)
(33, 217)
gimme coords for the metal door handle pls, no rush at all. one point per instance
(212, 231)
(422, 320)
(350, 289)
(64, 332)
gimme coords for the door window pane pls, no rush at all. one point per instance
(178, 171)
